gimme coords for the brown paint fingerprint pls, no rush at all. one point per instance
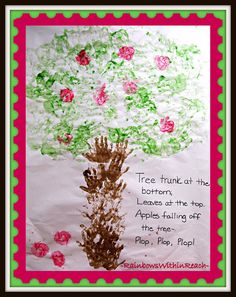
(101, 238)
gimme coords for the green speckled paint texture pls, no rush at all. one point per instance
(221, 282)
(174, 92)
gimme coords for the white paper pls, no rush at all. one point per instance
(55, 201)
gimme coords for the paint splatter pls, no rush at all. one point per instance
(126, 52)
(66, 139)
(66, 95)
(101, 96)
(162, 62)
(62, 237)
(58, 258)
(130, 87)
(167, 125)
(82, 58)
(142, 100)
(39, 249)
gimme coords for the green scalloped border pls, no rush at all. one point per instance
(221, 282)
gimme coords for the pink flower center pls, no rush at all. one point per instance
(162, 62)
(126, 52)
(58, 258)
(66, 95)
(101, 96)
(167, 125)
(39, 249)
(66, 139)
(62, 237)
(130, 87)
(83, 58)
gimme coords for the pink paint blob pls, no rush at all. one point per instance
(130, 87)
(126, 52)
(66, 140)
(214, 23)
(66, 95)
(101, 96)
(162, 62)
(39, 249)
(83, 58)
(62, 237)
(58, 258)
(167, 125)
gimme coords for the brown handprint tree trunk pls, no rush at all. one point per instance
(101, 238)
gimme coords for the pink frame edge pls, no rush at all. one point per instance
(20, 140)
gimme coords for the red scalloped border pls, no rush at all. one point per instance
(20, 155)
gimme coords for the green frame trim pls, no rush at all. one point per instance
(15, 282)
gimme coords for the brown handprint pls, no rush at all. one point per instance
(101, 152)
(114, 190)
(121, 150)
(114, 171)
(93, 182)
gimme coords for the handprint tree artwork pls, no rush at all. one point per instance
(104, 192)
(91, 92)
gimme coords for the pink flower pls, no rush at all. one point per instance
(162, 62)
(101, 96)
(62, 237)
(126, 52)
(130, 87)
(167, 125)
(66, 95)
(39, 249)
(83, 58)
(66, 139)
(58, 258)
